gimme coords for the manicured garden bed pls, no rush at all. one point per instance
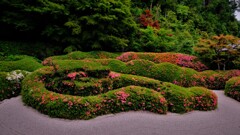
(13, 69)
(84, 89)
(232, 88)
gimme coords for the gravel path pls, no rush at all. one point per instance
(17, 119)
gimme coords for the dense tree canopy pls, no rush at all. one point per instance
(221, 50)
(86, 24)
(118, 25)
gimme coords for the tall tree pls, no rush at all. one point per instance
(221, 50)
(87, 24)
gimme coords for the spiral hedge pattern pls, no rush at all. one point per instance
(84, 89)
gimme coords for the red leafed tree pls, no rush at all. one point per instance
(146, 19)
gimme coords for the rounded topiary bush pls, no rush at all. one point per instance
(179, 59)
(80, 89)
(78, 55)
(10, 83)
(19, 62)
(232, 88)
(86, 105)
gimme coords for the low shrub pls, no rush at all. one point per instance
(19, 62)
(78, 55)
(10, 83)
(166, 72)
(179, 99)
(179, 59)
(232, 88)
(108, 94)
(53, 104)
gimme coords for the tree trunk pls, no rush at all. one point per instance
(218, 66)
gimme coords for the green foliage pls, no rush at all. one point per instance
(110, 94)
(153, 40)
(222, 50)
(179, 59)
(87, 25)
(153, 65)
(19, 62)
(232, 88)
(73, 107)
(78, 55)
(10, 83)
(39, 50)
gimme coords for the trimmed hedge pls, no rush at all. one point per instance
(232, 88)
(78, 55)
(179, 99)
(168, 72)
(20, 62)
(10, 83)
(53, 91)
(12, 70)
(53, 104)
(179, 59)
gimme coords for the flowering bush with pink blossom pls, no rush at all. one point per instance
(113, 75)
(78, 94)
(179, 59)
(232, 88)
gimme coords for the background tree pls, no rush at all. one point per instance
(86, 24)
(222, 50)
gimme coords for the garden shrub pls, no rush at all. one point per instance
(78, 55)
(166, 72)
(232, 88)
(71, 92)
(79, 107)
(214, 79)
(179, 99)
(179, 59)
(19, 62)
(10, 83)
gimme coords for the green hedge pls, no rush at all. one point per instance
(107, 94)
(21, 62)
(10, 83)
(168, 72)
(78, 55)
(232, 88)
(53, 104)
(179, 59)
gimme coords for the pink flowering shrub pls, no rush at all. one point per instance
(77, 91)
(232, 88)
(113, 75)
(47, 62)
(214, 80)
(122, 96)
(127, 56)
(179, 59)
(72, 76)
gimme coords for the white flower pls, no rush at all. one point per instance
(17, 75)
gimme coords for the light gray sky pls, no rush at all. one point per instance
(237, 15)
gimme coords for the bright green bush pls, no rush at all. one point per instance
(232, 88)
(20, 62)
(10, 83)
(179, 99)
(166, 72)
(76, 94)
(78, 55)
(36, 95)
